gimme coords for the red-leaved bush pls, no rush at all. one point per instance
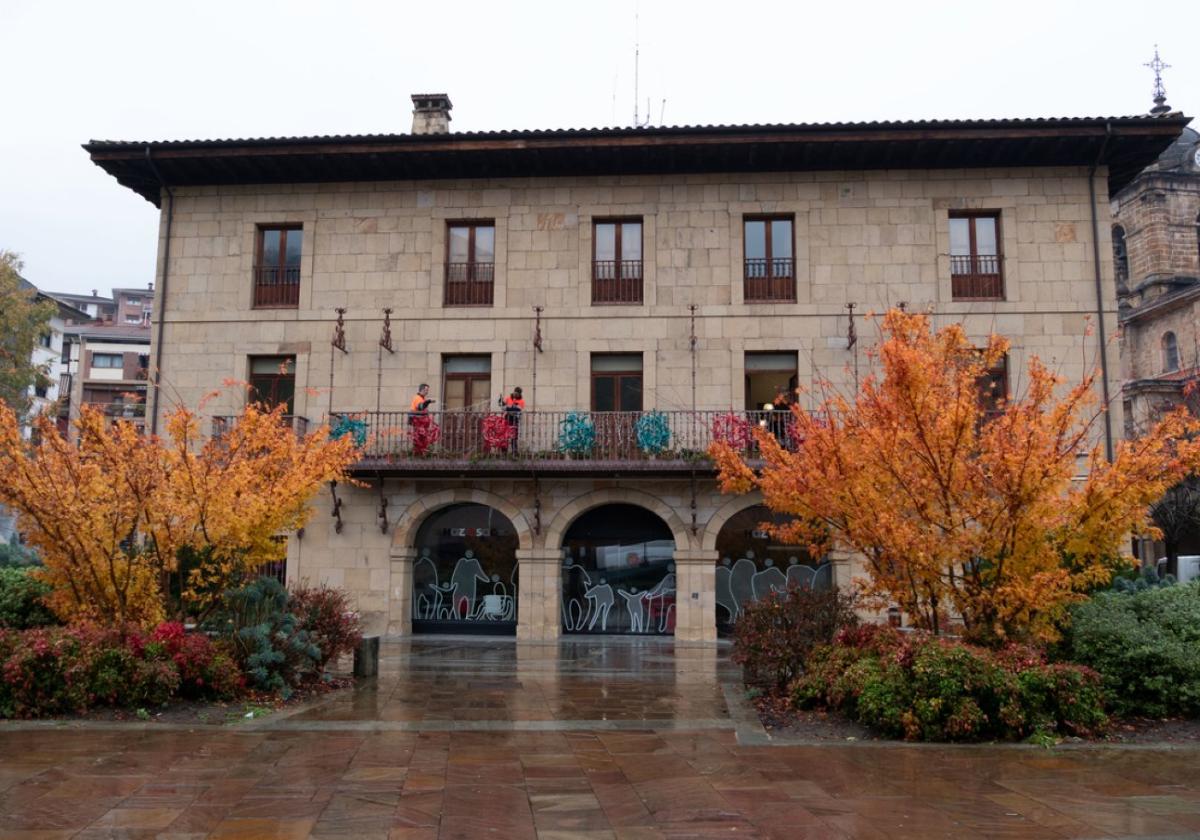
(63, 670)
(326, 615)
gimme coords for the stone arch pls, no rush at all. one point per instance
(405, 529)
(708, 540)
(613, 496)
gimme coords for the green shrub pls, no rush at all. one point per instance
(774, 636)
(13, 554)
(274, 651)
(1145, 645)
(21, 604)
(1141, 580)
(923, 688)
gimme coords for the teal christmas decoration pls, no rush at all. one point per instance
(653, 432)
(576, 433)
(347, 425)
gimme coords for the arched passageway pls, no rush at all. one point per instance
(618, 573)
(751, 564)
(465, 574)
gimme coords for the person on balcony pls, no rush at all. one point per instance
(781, 410)
(513, 404)
(420, 404)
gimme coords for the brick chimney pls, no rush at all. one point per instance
(431, 113)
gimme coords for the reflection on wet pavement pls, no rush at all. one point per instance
(592, 739)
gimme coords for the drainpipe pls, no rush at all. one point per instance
(1108, 432)
(162, 286)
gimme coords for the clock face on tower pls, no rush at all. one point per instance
(1196, 157)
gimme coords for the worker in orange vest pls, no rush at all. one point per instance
(513, 404)
(420, 404)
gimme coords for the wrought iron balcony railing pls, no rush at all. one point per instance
(617, 281)
(276, 286)
(223, 423)
(976, 278)
(769, 280)
(119, 411)
(483, 439)
(469, 284)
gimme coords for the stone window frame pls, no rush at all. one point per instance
(472, 225)
(619, 222)
(307, 219)
(442, 219)
(260, 231)
(768, 218)
(997, 214)
(586, 218)
(1170, 352)
(1120, 245)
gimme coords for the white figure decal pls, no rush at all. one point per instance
(634, 601)
(741, 580)
(601, 600)
(467, 573)
(426, 596)
(768, 580)
(725, 597)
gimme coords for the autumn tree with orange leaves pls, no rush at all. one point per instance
(1001, 518)
(113, 514)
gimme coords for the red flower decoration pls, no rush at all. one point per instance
(731, 429)
(425, 433)
(498, 433)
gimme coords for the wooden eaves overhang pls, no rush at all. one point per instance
(1132, 143)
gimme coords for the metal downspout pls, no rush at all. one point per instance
(162, 297)
(1108, 432)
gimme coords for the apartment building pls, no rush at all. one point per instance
(105, 366)
(648, 290)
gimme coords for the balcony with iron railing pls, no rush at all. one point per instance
(617, 281)
(976, 277)
(223, 423)
(770, 280)
(601, 442)
(276, 287)
(469, 284)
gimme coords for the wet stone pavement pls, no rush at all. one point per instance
(591, 739)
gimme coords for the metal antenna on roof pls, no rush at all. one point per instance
(1160, 92)
(637, 57)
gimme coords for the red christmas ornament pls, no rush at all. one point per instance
(425, 433)
(732, 430)
(498, 433)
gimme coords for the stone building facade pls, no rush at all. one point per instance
(1156, 256)
(481, 262)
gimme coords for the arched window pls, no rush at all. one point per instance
(1170, 348)
(1120, 255)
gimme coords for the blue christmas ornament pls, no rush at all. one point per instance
(653, 432)
(576, 433)
(347, 425)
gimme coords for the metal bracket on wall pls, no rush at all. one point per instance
(339, 331)
(337, 508)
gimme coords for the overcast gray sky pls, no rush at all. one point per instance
(170, 70)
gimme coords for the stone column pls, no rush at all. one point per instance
(695, 596)
(539, 594)
(400, 591)
(843, 568)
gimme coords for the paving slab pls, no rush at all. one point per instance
(590, 738)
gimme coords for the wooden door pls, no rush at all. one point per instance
(467, 396)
